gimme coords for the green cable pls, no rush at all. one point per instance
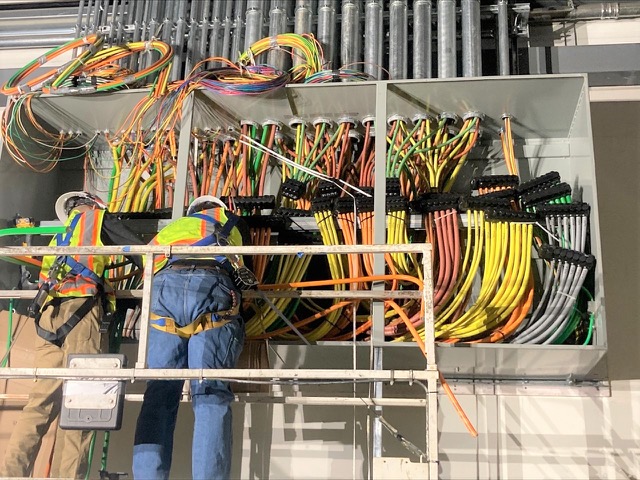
(105, 451)
(9, 333)
(587, 341)
(113, 175)
(399, 149)
(396, 130)
(32, 231)
(323, 151)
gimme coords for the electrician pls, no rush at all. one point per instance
(68, 310)
(195, 323)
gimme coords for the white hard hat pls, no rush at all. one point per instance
(67, 201)
(198, 203)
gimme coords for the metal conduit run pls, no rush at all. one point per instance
(350, 35)
(374, 36)
(447, 39)
(502, 48)
(398, 39)
(422, 33)
(471, 42)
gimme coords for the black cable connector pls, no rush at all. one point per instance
(546, 195)
(266, 221)
(484, 202)
(321, 205)
(435, 202)
(287, 213)
(509, 193)
(393, 187)
(344, 205)
(543, 181)
(328, 190)
(364, 204)
(504, 215)
(577, 209)
(396, 204)
(492, 181)
(293, 189)
(250, 202)
(584, 260)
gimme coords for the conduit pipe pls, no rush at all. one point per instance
(422, 32)
(254, 23)
(588, 11)
(278, 25)
(350, 44)
(238, 32)
(447, 39)
(193, 53)
(214, 34)
(327, 30)
(471, 40)
(398, 18)
(303, 23)
(204, 29)
(502, 48)
(226, 29)
(176, 69)
(373, 36)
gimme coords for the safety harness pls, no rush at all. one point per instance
(76, 269)
(209, 320)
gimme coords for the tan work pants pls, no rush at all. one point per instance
(70, 455)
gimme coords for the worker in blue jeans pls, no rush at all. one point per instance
(194, 324)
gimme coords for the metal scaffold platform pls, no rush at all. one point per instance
(376, 375)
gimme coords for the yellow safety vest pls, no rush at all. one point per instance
(83, 229)
(192, 229)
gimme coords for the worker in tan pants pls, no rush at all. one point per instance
(74, 295)
(45, 398)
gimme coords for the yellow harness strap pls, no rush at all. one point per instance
(202, 323)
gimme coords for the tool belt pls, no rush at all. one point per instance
(203, 322)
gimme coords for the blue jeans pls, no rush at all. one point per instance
(184, 294)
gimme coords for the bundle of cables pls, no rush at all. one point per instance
(304, 48)
(94, 69)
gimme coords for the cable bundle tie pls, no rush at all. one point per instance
(444, 215)
(560, 292)
(250, 55)
(273, 42)
(147, 46)
(24, 88)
